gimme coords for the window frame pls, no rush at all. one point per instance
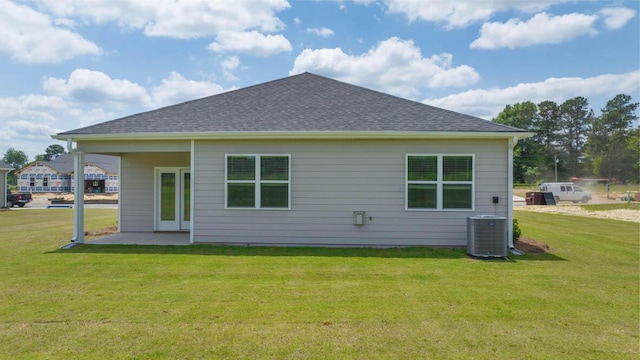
(257, 182)
(440, 182)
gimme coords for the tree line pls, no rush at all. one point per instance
(570, 140)
(18, 159)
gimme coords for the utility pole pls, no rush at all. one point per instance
(555, 158)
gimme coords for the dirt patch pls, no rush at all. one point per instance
(102, 232)
(69, 196)
(531, 246)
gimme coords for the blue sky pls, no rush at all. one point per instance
(66, 64)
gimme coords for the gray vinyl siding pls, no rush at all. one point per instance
(137, 186)
(330, 180)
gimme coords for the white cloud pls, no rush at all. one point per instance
(252, 42)
(394, 65)
(97, 87)
(86, 98)
(26, 122)
(176, 89)
(31, 107)
(540, 29)
(615, 18)
(487, 103)
(89, 117)
(176, 19)
(228, 65)
(31, 37)
(323, 31)
(297, 21)
(461, 13)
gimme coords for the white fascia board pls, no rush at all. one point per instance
(292, 135)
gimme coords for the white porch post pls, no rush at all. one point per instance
(3, 200)
(192, 191)
(511, 145)
(78, 198)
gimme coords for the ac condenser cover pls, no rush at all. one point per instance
(487, 236)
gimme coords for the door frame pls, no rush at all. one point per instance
(179, 224)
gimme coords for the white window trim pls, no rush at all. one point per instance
(440, 183)
(257, 181)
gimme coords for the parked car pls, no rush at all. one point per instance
(17, 199)
(566, 192)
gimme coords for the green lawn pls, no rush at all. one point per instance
(580, 301)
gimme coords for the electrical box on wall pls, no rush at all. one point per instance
(358, 217)
(495, 199)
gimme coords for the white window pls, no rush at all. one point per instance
(45, 181)
(258, 182)
(440, 182)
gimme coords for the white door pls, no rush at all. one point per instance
(173, 199)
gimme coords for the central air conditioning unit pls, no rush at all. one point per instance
(487, 236)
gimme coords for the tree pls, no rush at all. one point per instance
(546, 125)
(53, 151)
(17, 159)
(631, 171)
(527, 153)
(609, 136)
(575, 118)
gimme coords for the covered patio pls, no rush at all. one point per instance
(143, 238)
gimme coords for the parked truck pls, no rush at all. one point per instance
(566, 192)
(17, 199)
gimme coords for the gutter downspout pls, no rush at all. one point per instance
(78, 194)
(511, 146)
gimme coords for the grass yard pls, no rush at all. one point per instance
(580, 301)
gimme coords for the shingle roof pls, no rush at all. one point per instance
(64, 163)
(300, 103)
(5, 166)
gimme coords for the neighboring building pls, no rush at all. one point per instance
(56, 176)
(305, 160)
(4, 170)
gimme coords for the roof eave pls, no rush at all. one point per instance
(292, 135)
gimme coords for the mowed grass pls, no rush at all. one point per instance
(580, 301)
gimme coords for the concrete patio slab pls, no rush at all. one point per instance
(143, 238)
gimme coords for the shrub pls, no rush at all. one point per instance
(516, 231)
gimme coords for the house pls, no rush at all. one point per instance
(304, 160)
(4, 170)
(56, 176)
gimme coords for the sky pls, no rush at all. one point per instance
(66, 64)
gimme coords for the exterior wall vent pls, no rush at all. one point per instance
(487, 236)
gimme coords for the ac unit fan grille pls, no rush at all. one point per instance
(487, 236)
